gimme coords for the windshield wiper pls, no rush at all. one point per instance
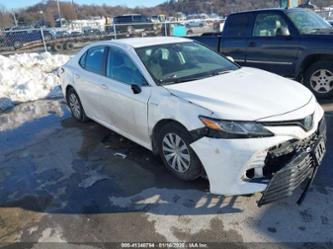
(172, 80)
(179, 80)
(215, 73)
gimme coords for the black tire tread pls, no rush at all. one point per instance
(83, 117)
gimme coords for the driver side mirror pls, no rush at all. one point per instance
(282, 31)
(136, 89)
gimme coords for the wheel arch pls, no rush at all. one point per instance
(68, 87)
(309, 60)
(157, 127)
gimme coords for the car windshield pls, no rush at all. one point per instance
(181, 62)
(308, 22)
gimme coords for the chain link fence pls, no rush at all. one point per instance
(69, 39)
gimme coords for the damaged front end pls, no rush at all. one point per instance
(290, 164)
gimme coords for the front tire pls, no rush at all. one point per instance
(177, 155)
(75, 106)
(319, 79)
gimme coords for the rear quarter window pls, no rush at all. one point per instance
(95, 60)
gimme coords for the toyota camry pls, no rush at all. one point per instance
(244, 129)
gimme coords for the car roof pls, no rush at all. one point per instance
(269, 9)
(148, 41)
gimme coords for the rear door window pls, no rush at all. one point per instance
(139, 19)
(95, 60)
(238, 26)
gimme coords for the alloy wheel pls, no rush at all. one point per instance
(74, 104)
(321, 81)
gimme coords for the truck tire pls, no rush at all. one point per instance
(58, 47)
(319, 79)
(68, 46)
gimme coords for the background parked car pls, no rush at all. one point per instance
(133, 24)
(197, 27)
(76, 33)
(61, 34)
(91, 31)
(17, 36)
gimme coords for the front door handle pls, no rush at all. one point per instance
(252, 44)
(77, 76)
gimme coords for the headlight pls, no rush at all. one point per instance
(234, 129)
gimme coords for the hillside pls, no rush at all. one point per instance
(47, 10)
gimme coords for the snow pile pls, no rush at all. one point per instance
(28, 77)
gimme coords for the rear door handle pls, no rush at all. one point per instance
(252, 44)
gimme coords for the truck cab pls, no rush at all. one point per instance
(295, 43)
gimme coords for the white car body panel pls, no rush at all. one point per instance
(246, 94)
(251, 88)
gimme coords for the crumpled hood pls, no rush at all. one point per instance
(244, 94)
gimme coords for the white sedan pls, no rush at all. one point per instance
(244, 129)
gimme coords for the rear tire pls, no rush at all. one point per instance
(68, 46)
(17, 45)
(58, 47)
(173, 143)
(319, 79)
(75, 106)
(189, 32)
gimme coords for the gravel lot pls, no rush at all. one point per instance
(62, 181)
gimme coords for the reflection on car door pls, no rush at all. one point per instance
(125, 110)
(89, 81)
(268, 49)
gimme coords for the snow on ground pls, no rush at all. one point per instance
(28, 77)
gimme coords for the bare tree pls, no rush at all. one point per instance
(6, 18)
(68, 11)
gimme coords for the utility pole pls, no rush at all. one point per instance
(73, 6)
(59, 12)
(14, 16)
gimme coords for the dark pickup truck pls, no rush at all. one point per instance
(295, 43)
(18, 36)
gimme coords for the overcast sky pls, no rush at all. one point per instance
(12, 4)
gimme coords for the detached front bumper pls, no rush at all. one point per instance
(303, 166)
(275, 165)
